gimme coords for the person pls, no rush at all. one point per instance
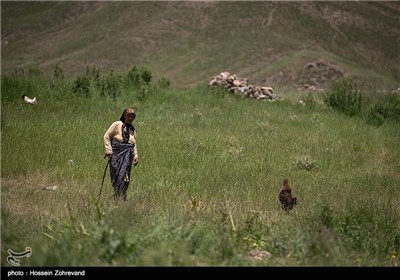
(121, 150)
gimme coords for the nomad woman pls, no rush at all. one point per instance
(121, 149)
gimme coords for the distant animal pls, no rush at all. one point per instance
(29, 100)
(285, 197)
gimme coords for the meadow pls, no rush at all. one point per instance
(205, 190)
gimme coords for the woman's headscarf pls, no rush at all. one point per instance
(125, 126)
(125, 112)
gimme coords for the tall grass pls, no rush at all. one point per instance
(205, 190)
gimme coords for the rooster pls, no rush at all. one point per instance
(285, 197)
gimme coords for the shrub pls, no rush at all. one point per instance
(146, 75)
(133, 75)
(93, 73)
(58, 72)
(388, 108)
(344, 97)
(81, 86)
(111, 85)
(139, 76)
(375, 118)
(164, 82)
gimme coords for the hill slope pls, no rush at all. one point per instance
(189, 42)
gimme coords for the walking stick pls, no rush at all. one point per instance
(104, 175)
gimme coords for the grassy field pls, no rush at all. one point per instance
(205, 190)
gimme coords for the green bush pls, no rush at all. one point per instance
(58, 72)
(133, 75)
(344, 97)
(163, 82)
(111, 85)
(93, 73)
(139, 76)
(375, 118)
(388, 108)
(81, 86)
(146, 75)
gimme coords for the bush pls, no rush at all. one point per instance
(133, 75)
(164, 83)
(111, 85)
(146, 75)
(93, 73)
(139, 76)
(81, 86)
(58, 72)
(375, 118)
(344, 97)
(388, 108)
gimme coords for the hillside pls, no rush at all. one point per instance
(189, 42)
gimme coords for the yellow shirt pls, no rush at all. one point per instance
(115, 132)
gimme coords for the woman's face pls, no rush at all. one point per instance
(129, 117)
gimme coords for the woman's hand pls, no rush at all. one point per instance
(135, 161)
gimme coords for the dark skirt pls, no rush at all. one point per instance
(121, 165)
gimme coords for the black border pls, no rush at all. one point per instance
(195, 272)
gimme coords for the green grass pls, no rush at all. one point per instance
(205, 190)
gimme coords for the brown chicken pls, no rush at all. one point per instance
(285, 197)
